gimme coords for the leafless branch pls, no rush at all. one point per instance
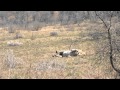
(108, 27)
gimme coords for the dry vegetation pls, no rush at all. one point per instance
(33, 59)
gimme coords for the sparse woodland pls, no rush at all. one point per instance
(28, 39)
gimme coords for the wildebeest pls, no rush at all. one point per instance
(68, 53)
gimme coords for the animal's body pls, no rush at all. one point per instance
(67, 53)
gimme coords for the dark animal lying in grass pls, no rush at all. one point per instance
(68, 53)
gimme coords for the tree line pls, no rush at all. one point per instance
(41, 18)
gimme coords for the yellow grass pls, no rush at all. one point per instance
(38, 48)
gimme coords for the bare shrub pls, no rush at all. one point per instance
(53, 34)
(14, 43)
(33, 36)
(9, 59)
(35, 26)
(51, 65)
(51, 69)
(18, 35)
(11, 29)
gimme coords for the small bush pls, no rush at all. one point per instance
(36, 28)
(53, 34)
(18, 35)
(33, 36)
(11, 29)
(9, 61)
(51, 65)
(12, 43)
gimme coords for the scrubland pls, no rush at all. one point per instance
(33, 58)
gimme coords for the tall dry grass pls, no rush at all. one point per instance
(33, 59)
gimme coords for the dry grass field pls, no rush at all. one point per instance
(33, 58)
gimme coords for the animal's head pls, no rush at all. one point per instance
(58, 54)
(55, 55)
(74, 52)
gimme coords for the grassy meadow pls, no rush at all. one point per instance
(33, 59)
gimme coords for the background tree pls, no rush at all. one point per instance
(105, 17)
